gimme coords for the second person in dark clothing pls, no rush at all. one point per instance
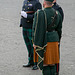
(27, 14)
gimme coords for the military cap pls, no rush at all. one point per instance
(49, 0)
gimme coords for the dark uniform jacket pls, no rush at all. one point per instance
(29, 6)
(42, 33)
(58, 8)
(39, 27)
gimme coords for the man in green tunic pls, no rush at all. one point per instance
(47, 28)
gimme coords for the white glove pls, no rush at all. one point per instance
(24, 14)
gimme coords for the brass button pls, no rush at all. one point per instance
(24, 9)
(25, 4)
(28, 21)
(28, 7)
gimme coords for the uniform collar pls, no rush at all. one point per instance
(48, 7)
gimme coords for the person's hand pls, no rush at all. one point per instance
(58, 43)
(34, 46)
(24, 14)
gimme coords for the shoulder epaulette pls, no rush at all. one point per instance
(39, 10)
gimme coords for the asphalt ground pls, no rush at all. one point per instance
(13, 52)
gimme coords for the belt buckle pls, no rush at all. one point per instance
(46, 31)
(28, 21)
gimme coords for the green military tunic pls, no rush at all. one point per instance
(42, 19)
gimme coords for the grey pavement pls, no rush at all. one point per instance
(13, 52)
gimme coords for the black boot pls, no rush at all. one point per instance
(30, 64)
(35, 66)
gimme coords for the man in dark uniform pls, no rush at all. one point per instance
(27, 14)
(60, 10)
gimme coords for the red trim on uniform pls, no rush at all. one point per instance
(57, 67)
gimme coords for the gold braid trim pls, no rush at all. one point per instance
(41, 47)
(38, 49)
(45, 19)
(40, 56)
(36, 25)
(42, 59)
(39, 63)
